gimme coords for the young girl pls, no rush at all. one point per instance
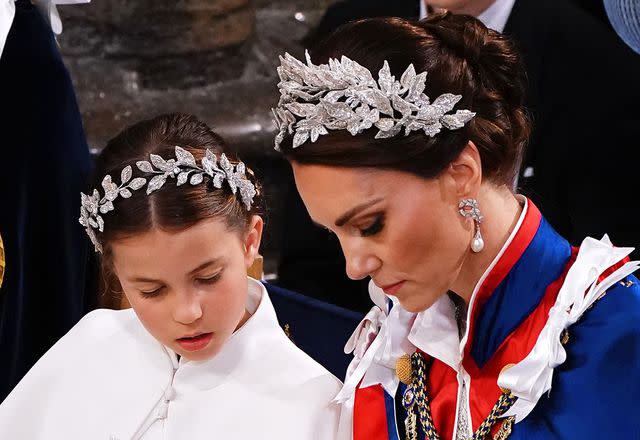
(200, 354)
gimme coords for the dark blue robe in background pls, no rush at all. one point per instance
(44, 166)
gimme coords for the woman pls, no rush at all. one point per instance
(200, 354)
(405, 138)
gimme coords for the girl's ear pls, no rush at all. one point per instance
(252, 240)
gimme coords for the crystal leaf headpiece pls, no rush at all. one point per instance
(183, 167)
(343, 95)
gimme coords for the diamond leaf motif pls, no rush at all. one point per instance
(182, 178)
(389, 133)
(144, 166)
(408, 77)
(217, 180)
(300, 138)
(125, 193)
(185, 157)
(156, 183)
(226, 165)
(416, 89)
(385, 124)
(125, 175)
(432, 129)
(385, 79)
(457, 120)
(137, 183)
(196, 179)
(447, 101)
(317, 98)
(303, 110)
(158, 161)
(401, 105)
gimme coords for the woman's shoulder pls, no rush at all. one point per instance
(616, 314)
(595, 389)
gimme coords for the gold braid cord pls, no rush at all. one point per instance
(418, 386)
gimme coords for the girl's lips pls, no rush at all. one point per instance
(195, 343)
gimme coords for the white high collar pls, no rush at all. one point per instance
(494, 17)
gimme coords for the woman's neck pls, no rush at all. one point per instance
(501, 211)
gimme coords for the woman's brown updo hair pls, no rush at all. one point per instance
(461, 56)
(171, 207)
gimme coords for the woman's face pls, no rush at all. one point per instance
(403, 231)
(189, 287)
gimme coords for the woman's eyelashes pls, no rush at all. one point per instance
(376, 226)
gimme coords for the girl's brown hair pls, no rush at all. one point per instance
(172, 207)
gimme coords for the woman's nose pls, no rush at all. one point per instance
(360, 263)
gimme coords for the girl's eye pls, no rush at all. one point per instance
(151, 293)
(374, 228)
(210, 280)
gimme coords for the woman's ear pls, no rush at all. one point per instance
(464, 174)
(252, 240)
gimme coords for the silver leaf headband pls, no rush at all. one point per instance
(343, 95)
(184, 167)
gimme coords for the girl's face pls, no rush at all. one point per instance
(189, 287)
(403, 231)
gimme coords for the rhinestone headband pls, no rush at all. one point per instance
(343, 95)
(183, 167)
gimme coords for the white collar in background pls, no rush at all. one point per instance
(46, 7)
(7, 11)
(494, 17)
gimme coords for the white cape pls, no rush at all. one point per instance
(108, 378)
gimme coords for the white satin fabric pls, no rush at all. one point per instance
(109, 379)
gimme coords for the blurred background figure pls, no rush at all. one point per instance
(582, 96)
(45, 163)
(625, 18)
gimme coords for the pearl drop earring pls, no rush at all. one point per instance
(469, 208)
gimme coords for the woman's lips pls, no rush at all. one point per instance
(392, 289)
(195, 343)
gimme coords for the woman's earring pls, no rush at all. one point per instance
(469, 209)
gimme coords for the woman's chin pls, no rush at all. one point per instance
(416, 303)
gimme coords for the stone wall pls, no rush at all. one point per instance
(214, 58)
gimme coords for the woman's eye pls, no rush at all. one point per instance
(374, 228)
(210, 280)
